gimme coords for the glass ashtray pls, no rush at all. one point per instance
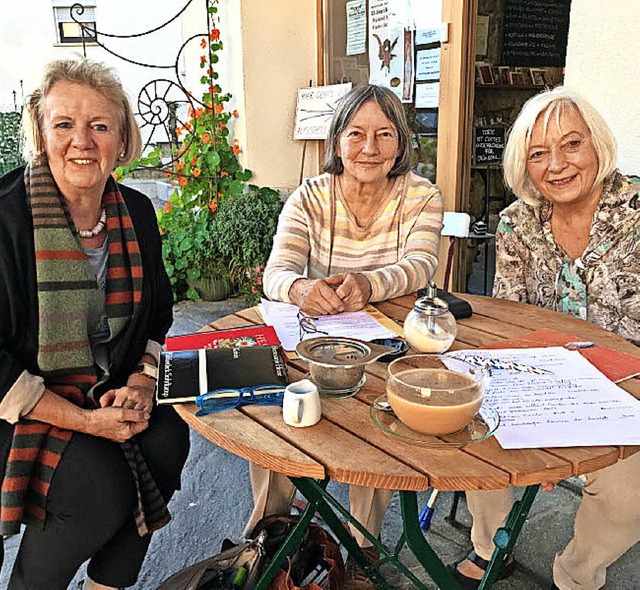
(483, 425)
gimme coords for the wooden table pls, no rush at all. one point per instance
(346, 447)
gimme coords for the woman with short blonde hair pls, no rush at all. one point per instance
(569, 243)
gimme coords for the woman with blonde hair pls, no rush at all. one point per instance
(569, 243)
(88, 463)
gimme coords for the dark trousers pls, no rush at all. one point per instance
(90, 509)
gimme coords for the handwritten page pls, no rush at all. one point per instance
(284, 318)
(553, 397)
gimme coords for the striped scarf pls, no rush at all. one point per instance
(66, 286)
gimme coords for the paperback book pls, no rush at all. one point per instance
(185, 374)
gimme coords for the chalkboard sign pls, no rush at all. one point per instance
(535, 32)
(488, 145)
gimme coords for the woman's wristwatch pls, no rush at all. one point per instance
(148, 370)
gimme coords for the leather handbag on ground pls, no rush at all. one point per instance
(232, 569)
(315, 563)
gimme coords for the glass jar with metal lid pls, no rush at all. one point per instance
(430, 326)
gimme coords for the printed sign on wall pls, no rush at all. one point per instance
(315, 109)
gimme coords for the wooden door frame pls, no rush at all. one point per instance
(455, 117)
(455, 111)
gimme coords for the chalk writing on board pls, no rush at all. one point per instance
(488, 145)
(535, 32)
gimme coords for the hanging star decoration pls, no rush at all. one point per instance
(384, 52)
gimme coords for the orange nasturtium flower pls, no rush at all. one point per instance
(236, 148)
(194, 161)
(222, 126)
(179, 166)
(218, 108)
(203, 59)
(203, 43)
(235, 114)
(196, 172)
(167, 174)
(116, 176)
(182, 181)
(213, 206)
(167, 207)
(214, 35)
(223, 174)
(205, 137)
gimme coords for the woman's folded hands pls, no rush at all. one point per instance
(335, 294)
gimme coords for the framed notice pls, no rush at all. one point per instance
(315, 109)
(488, 145)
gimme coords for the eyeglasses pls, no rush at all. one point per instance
(307, 325)
(229, 399)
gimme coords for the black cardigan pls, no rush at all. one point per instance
(19, 298)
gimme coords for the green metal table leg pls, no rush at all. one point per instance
(506, 537)
(418, 545)
(297, 533)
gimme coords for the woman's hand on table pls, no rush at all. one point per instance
(354, 291)
(317, 297)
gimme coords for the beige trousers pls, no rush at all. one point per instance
(273, 494)
(607, 524)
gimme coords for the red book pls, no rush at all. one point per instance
(261, 335)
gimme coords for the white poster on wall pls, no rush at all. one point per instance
(386, 47)
(428, 64)
(315, 109)
(356, 27)
(427, 95)
(426, 36)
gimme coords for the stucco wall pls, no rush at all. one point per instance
(602, 64)
(279, 56)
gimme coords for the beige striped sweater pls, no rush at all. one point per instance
(397, 251)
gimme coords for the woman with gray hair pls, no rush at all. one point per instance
(570, 243)
(366, 230)
(87, 462)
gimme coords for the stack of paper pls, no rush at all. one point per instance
(553, 397)
(284, 318)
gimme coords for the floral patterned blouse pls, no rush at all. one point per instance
(602, 286)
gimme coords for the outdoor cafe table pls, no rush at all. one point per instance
(345, 446)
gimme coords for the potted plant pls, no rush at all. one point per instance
(216, 230)
(242, 232)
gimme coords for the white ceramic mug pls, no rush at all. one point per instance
(301, 404)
